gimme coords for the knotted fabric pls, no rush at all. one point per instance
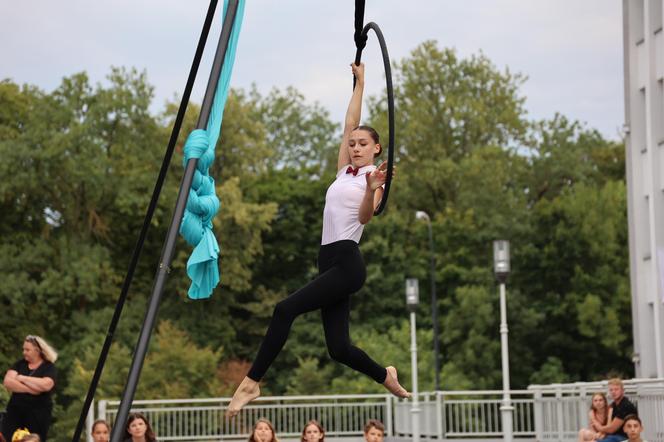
(203, 204)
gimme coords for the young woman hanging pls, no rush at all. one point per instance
(349, 204)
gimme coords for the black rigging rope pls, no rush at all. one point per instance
(360, 37)
(148, 219)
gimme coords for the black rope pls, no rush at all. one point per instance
(147, 220)
(390, 100)
(359, 36)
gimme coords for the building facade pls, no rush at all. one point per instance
(644, 156)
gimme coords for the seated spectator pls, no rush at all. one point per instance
(633, 428)
(32, 437)
(263, 431)
(138, 429)
(313, 432)
(100, 431)
(20, 434)
(621, 407)
(374, 431)
(599, 412)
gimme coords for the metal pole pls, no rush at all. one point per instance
(434, 312)
(117, 434)
(415, 409)
(506, 408)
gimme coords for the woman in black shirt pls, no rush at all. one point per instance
(31, 381)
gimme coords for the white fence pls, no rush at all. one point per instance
(466, 414)
(203, 419)
(542, 413)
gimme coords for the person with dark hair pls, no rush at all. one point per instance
(374, 431)
(350, 203)
(263, 431)
(633, 427)
(138, 429)
(313, 432)
(31, 381)
(101, 431)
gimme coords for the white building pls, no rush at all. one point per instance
(644, 139)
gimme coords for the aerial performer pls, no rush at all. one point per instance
(349, 204)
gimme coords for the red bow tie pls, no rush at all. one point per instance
(353, 171)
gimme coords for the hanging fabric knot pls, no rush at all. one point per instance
(203, 204)
(196, 227)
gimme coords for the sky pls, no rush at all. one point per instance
(569, 50)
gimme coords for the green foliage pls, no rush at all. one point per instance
(551, 371)
(309, 378)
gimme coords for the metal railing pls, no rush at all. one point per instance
(466, 414)
(203, 419)
(542, 413)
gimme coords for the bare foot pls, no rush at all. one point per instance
(247, 391)
(392, 383)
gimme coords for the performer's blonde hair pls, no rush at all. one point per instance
(48, 353)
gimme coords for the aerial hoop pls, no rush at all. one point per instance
(360, 42)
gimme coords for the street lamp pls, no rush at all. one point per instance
(501, 267)
(434, 304)
(412, 299)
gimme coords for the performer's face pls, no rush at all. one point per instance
(362, 148)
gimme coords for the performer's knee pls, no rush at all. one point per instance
(339, 352)
(282, 312)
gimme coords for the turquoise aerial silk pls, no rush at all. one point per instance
(203, 204)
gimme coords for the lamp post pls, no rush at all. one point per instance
(434, 304)
(412, 299)
(501, 267)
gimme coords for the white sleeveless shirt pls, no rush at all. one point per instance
(342, 206)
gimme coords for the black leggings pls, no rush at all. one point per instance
(341, 272)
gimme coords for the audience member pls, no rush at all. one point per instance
(633, 428)
(138, 429)
(31, 381)
(313, 432)
(374, 431)
(263, 431)
(101, 431)
(621, 407)
(599, 412)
